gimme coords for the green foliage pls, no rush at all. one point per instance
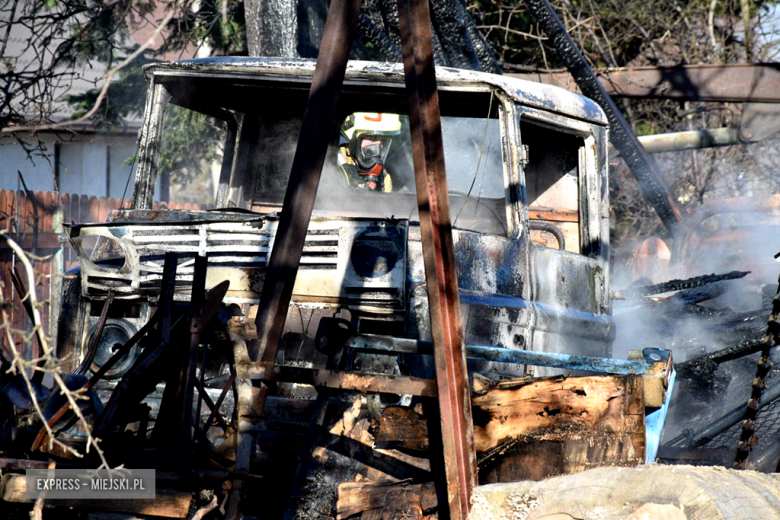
(190, 138)
(190, 144)
(125, 98)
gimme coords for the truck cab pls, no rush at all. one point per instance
(527, 174)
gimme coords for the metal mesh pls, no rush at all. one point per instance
(767, 425)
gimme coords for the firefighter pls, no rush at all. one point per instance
(363, 147)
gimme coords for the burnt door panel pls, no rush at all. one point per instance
(569, 279)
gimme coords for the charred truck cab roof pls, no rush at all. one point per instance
(527, 172)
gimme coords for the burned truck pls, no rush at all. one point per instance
(527, 174)
(527, 186)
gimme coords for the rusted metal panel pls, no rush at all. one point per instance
(733, 82)
(343, 380)
(439, 255)
(553, 214)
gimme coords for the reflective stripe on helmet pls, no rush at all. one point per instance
(374, 123)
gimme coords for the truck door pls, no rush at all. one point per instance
(566, 217)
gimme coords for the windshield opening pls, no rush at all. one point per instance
(368, 171)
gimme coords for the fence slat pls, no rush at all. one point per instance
(65, 202)
(75, 207)
(102, 209)
(30, 214)
(94, 210)
(48, 210)
(11, 204)
(6, 289)
(21, 212)
(5, 215)
(83, 209)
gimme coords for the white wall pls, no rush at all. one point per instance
(90, 164)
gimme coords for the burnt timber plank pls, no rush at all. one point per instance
(359, 497)
(401, 427)
(559, 426)
(342, 380)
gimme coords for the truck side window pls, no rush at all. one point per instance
(191, 154)
(552, 177)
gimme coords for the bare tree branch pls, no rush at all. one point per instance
(151, 40)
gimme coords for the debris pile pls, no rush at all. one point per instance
(719, 351)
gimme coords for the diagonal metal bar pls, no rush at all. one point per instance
(319, 121)
(94, 342)
(654, 186)
(214, 407)
(438, 254)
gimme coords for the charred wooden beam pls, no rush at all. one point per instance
(319, 120)
(677, 285)
(174, 422)
(342, 380)
(357, 497)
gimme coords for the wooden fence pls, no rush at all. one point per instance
(29, 221)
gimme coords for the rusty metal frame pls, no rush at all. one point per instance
(438, 255)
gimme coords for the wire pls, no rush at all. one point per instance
(479, 160)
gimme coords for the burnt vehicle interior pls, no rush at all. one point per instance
(248, 157)
(251, 164)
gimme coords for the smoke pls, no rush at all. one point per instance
(702, 321)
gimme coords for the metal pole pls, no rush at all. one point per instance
(722, 424)
(438, 254)
(690, 140)
(319, 120)
(653, 185)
